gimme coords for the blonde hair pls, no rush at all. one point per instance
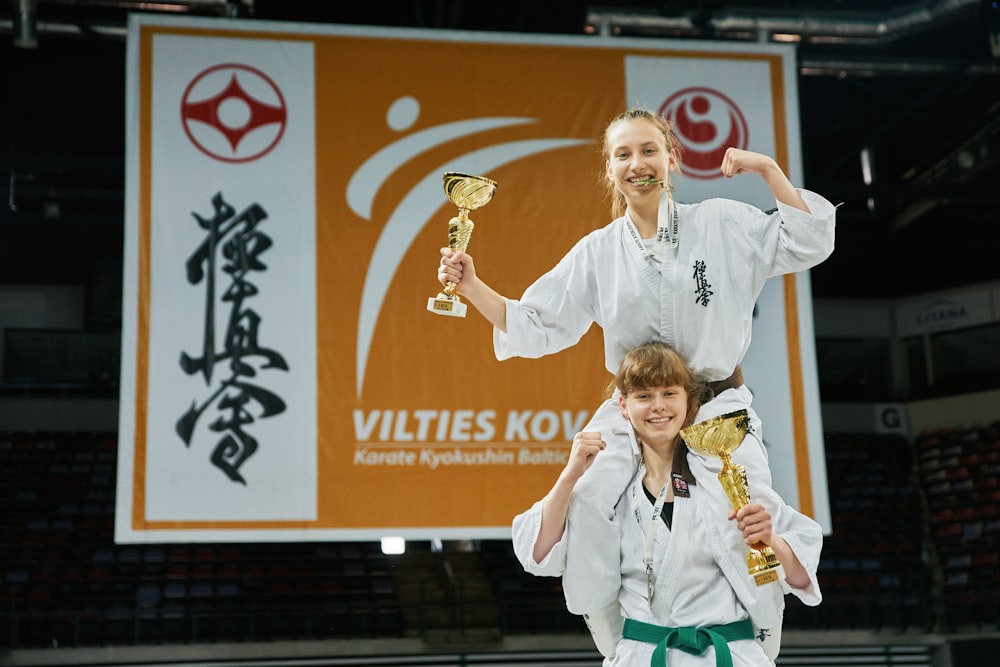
(665, 127)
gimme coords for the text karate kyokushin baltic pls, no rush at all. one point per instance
(473, 456)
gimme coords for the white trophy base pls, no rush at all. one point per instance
(442, 306)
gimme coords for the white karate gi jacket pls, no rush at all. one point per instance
(699, 564)
(606, 279)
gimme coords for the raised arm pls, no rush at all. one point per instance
(586, 446)
(738, 161)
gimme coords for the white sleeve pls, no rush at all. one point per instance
(524, 534)
(548, 317)
(805, 538)
(802, 239)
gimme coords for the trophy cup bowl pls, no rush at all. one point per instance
(719, 437)
(468, 193)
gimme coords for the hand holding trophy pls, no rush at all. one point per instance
(467, 193)
(719, 437)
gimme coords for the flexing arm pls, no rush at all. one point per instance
(458, 267)
(586, 446)
(739, 161)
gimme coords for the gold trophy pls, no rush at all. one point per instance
(467, 193)
(720, 437)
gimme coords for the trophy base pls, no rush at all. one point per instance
(442, 305)
(767, 577)
(763, 566)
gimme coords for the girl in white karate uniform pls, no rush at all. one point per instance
(695, 599)
(686, 274)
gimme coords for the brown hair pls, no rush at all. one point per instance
(657, 364)
(673, 146)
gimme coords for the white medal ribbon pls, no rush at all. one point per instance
(666, 228)
(650, 535)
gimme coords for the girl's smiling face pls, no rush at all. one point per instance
(638, 159)
(657, 413)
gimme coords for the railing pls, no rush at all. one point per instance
(340, 617)
(522, 612)
(124, 627)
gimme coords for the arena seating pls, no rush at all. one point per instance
(913, 548)
(873, 573)
(958, 471)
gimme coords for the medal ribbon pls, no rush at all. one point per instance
(666, 228)
(650, 535)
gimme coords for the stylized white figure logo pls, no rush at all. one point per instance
(414, 210)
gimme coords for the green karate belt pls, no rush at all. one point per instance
(690, 640)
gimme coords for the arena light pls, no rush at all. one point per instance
(393, 546)
(26, 24)
(867, 172)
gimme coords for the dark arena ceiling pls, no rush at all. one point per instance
(915, 86)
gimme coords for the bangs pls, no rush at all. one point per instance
(653, 366)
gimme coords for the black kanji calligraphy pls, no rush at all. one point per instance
(231, 249)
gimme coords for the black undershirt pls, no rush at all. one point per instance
(667, 513)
